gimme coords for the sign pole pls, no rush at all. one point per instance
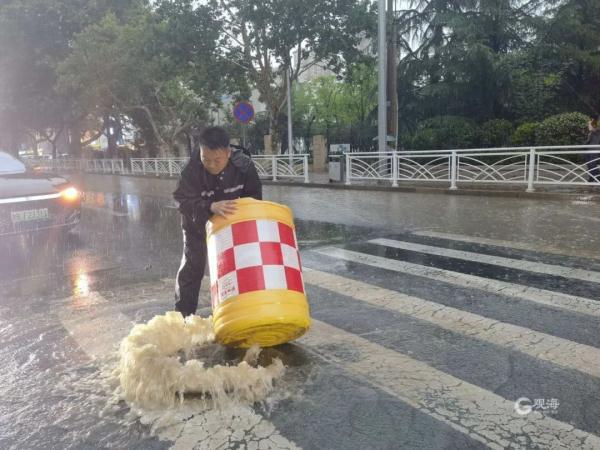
(243, 113)
(289, 113)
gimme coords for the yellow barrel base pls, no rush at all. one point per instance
(264, 318)
(263, 336)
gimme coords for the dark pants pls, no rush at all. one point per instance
(191, 271)
(593, 167)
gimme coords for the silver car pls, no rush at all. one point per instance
(32, 202)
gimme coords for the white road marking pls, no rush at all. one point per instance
(476, 412)
(496, 243)
(193, 425)
(531, 266)
(96, 330)
(567, 302)
(555, 350)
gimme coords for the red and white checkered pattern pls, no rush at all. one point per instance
(255, 255)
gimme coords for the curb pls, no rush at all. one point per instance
(587, 197)
(593, 197)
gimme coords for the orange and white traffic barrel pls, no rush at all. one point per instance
(257, 290)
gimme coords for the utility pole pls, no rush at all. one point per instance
(381, 88)
(392, 75)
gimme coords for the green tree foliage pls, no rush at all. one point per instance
(524, 134)
(35, 36)
(340, 110)
(562, 129)
(512, 60)
(138, 70)
(266, 39)
(445, 132)
(496, 133)
(468, 71)
(571, 38)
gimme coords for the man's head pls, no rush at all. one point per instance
(214, 149)
(592, 124)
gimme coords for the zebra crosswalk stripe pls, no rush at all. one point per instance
(531, 266)
(560, 300)
(474, 411)
(512, 245)
(543, 346)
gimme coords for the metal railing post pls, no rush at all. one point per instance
(348, 169)
(170, 169)
(453, 170)
(531, 170)
(274, 167)
(305, 161)
(394, 169)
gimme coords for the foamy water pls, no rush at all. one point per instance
(183, 399)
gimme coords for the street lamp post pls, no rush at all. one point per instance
(382, 101)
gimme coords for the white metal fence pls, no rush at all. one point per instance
(76, 165)
(557, 165)
(276, 167)
(561, 165)
(272, 167)
(158, 166)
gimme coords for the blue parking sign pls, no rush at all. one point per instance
(243, 112)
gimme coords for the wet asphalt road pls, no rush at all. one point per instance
(423, 340)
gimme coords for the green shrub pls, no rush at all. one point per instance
(496, 133)
(445, 132)
(425, 139)
(562, 129)
(524, 134)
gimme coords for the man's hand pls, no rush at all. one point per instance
(223, 208)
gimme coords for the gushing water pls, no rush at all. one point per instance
(152, 374)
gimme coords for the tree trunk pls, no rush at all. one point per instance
(74, 132)
(111, 136)
(274, 131)
(163, 150)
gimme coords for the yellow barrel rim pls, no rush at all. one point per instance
(252, 209)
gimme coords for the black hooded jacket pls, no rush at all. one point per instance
(198, 189)
(593, 137)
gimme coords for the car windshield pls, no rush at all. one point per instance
(9, 164)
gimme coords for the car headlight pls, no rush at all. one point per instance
(70, 194)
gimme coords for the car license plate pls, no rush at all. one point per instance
(29, 215)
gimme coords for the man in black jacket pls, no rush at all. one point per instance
(213, 178)
(593, 158)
